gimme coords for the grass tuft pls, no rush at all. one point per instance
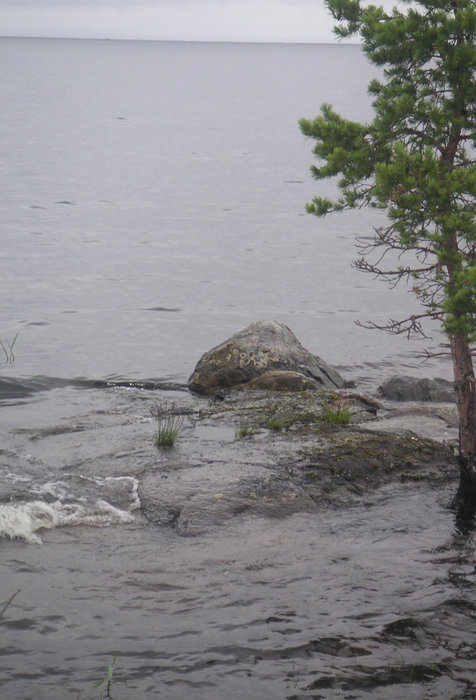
(339, 413)
(7, 349)
(104, 685)
(245, 431)
(278, 423)
(169, 425)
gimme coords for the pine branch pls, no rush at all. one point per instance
(410, 326)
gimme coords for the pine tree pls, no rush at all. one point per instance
(416, 161)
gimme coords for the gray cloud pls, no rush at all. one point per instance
(207, 20)
(203, 20)
(132, 4)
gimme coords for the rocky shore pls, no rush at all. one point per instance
(247, 449)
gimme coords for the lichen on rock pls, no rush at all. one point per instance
(265, 354)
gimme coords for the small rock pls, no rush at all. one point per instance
(413, 389)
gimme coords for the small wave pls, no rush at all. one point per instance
(165, 309)
(23, 520)
(16, 388)
(146, 384)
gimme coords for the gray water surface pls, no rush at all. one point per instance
(154, 204)
(372, 600)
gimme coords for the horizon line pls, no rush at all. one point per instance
(183, 41)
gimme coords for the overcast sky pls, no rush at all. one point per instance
(202, 20)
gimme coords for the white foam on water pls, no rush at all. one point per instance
(23, 520)
(15, 478)
(131, 484)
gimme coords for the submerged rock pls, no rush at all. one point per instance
(413, 389)
(265, 355)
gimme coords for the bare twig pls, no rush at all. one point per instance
(409, 326)
(9, 602)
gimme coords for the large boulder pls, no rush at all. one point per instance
(264, 355)
(413, 389)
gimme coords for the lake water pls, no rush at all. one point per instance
(153, 205)
(154, 201)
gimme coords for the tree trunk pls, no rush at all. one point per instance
(465, 387)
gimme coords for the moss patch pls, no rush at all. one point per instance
(357, 461)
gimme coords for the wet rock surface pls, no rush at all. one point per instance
(264, 355)
(265, 454)
(318, 544)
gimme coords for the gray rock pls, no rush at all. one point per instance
(301, 463)
(280, 380)
(265, 354)
(413, 389)
(431, 420)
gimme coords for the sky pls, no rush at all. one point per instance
(299, 21)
